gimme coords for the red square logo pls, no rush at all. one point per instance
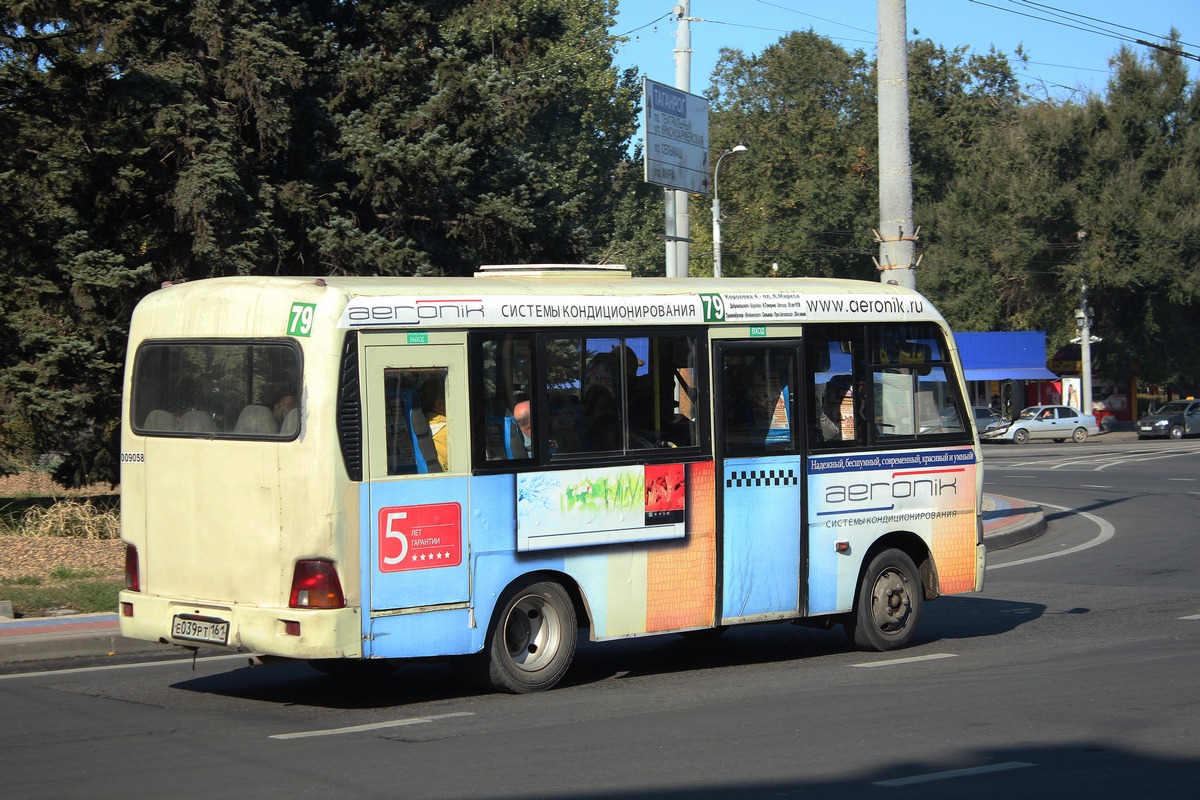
(420, 537)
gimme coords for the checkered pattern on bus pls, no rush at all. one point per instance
(762, 477)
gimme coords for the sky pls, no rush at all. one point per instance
(1068, 42)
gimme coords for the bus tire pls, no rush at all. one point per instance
(888, 607)
(532, 640)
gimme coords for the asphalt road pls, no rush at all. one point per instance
(1072, 675)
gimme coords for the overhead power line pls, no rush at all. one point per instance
(1097, 20)
(1086, 24)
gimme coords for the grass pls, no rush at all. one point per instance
(87, 596)
(42, 577)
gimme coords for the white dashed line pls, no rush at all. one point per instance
(893, 662)
(374, 726)
(929, 777)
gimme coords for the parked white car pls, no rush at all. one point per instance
(1057, 423)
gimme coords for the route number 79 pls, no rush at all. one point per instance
(714, 307)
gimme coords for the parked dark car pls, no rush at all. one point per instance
(1174, 420)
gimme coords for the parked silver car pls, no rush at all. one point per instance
(1057, 423)
(1175, 420)
(986, 419)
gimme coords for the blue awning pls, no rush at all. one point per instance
(1002, 356)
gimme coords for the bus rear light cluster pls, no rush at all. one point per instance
(133, 579)
(315, 584)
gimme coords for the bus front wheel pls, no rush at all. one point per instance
(533, 639)
(888, 606)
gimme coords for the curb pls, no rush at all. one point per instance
(1006, 522)
(75, 636)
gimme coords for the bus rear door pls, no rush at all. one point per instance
(414, 524)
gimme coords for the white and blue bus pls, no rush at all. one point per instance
(357, 471)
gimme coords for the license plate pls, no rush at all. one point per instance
(195, 628)
(1147, 428)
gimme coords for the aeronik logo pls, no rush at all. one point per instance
(901, 486)
(415, 312)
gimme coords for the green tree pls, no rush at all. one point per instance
(997, 245)
(804, 194)
(488, 133)
(151, 140)
(1057, 195)
(1140, 216)
(954, 100)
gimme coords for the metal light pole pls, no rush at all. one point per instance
(740, 148)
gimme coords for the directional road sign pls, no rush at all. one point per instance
(676, 127)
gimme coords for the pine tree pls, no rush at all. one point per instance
(152, 140)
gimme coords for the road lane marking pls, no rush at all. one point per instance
(1193, 616)
(1107, 531)
(1146, 457)
(929, 777)
(187, 662)
(374, 726)
(893, 662)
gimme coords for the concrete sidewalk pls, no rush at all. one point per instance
(1006, 522)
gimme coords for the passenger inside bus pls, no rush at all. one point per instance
(833, 416)
(433, 403)
(601, 418)
(283, 406)
(521, 417)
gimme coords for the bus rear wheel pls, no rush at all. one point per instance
(889, 603)
(533, 639)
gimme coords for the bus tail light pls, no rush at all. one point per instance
(315, 584)
(133, 579)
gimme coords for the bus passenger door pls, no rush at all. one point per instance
(760, 486)
(414, 522)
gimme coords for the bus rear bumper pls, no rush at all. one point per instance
(299, 633)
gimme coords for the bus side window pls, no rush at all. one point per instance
(757, 400)
(837, 397)
(913, 381)
(416, 432)
(505, 370)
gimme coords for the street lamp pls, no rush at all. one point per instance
(740, 148)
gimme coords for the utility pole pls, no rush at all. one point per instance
(1083, 321)
(897, 234)
(678, 221)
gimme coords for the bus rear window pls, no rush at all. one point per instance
(217, 389)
